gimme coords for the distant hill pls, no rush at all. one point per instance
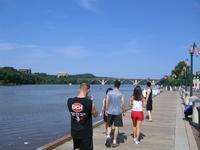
(12, 76)
(85, 75)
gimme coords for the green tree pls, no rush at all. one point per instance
(180, 75)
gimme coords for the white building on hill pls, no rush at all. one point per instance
(196, 81)
(62, 74)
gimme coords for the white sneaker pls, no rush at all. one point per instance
(134, 139)
(137, 142)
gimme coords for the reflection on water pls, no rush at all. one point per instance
(33, 115)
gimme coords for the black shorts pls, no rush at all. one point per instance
(149, 105)
(105, 118)
(116, 119)
(83, 144)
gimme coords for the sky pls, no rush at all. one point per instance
(114, 38)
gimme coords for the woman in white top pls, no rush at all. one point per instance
(137, 102)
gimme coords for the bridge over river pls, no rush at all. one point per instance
(136, 81)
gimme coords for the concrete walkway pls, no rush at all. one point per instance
(168, 131)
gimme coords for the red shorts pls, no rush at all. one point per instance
(137, 115)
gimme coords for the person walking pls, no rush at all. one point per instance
(137, 102)
(115, 107)
(81, 109)
(103, 109)
(149, 106)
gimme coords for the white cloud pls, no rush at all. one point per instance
(40, 51)
(88, 4)
(73, 51)
(14, 46)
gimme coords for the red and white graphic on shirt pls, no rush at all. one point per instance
(77, 107)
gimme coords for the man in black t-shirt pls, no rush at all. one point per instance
(81, 109)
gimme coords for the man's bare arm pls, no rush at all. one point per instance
(148, 93)
(123, 103)
(106, 111)
(94, 110)
(144, 103)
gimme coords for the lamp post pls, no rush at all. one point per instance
(186, 74)
(192, 51)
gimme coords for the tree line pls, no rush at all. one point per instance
(180, 76)
(11, 76)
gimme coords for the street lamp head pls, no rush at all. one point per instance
(193, 48)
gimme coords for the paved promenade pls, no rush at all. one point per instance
(168, 131)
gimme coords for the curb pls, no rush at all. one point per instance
(64, 139)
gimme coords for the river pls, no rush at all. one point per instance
(34, 115)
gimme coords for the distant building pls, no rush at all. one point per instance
(198, 73)
(166, 77)
(196, 81)
(28, 71)
(62, 74)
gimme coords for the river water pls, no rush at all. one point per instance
(34, 115)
